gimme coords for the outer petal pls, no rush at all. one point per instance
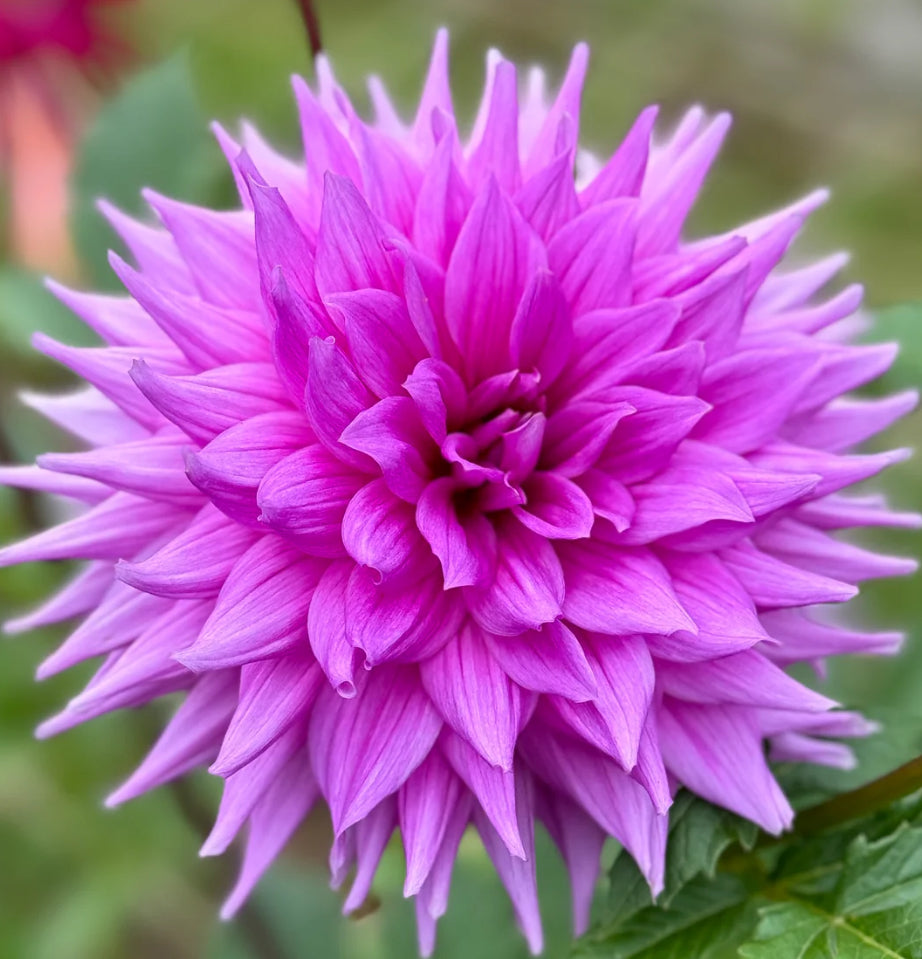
(717, 752)
(475, 696)
(364, 749)
(261, 610)
(619, 591)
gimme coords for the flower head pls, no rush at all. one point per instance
(451, 488)
(67, 27)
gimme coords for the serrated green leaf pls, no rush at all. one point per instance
(706, 919)
(152, 134)
(699, 833)
(874, 910)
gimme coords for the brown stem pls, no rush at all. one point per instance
(312, 25)
(861, 801)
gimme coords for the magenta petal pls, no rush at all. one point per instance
(752, 394)
(614, 720)
(607, 344)
(297, 322)
(379, 531)
(80, 594)
(495, 256)
(619, 591)
(399, 624)
(623, 174)
(549, 660)
(443, 203)
(427, 802)
(746, 678)
(591, 256)
(497, 152)
(327, 152)
(272, 822)
(364, 749)
(58, 484)
(241, 629)
(217, 248)
(576, 435)
(717, 752)
(548, 200)
(208, 403)
(231, 467)
(541, 334)
(274, 694)
(304, 497)
(527, 590)
(555, 507)
(152, 468)
(723, 612)
(464, 545)
(440, 396)
(195, 563)
(384, 344)
(244, 788)
(682, 498)
(493, 787)
(118, 320)
(580, 842)
(326, 628)
(775, 584)
(475, 696)
(351, 243)
(392, 434)
(119, 526)
(436, 93)
(334, 397)
(518, 874)
(614, 800)
(280, 242)
(190, 739)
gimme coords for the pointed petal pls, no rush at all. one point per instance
(475, 696)
(716, 751)
(618, 591)
(364, 749)
(304, 497)
(261, 609)
(528, 588)
(195, 563)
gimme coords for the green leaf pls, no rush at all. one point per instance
(706, 919)
(698, 834)
(26, 306)
(903, 324)
(152, 134)
(874, 910)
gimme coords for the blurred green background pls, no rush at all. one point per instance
(823, 92)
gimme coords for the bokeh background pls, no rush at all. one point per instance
(824, 92)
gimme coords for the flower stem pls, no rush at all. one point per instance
(312, 24)
(861, 801)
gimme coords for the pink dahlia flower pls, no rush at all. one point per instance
(453, 489)
(66, 27)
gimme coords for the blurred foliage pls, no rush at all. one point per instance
(823, 91)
